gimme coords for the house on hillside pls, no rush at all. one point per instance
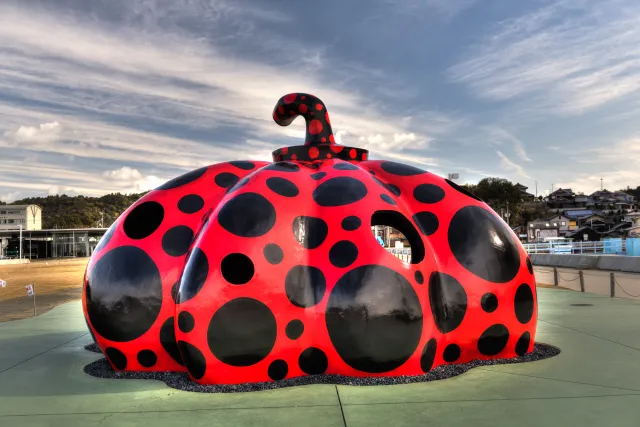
(555, 226)
(526, 196)
(584, 234)
(561, 198)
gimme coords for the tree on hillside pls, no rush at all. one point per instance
(499, 193)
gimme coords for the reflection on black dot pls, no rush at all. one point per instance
(273, 253)
(483, 244)
(174, 291)
(191, 203)
(244, 181)
(523, 303)
(343, 254)
(226, 179)
(237, 268)
(428, 355)
(186, 322)
(386, 198)
(305, 286)
(193, 359)
(294, 329)
(143, 220)
(283, 167)
(116, 357)
(489, 302)
(351, 223)
(176, 240)
(278, 370)
(392, 188)
(462, 190)
(419, 277)
(451, 353)
(493, 340)
(523, 344)
(242, 332)
(194, 275)
(168, 340)
(344, 166)
(147, 358)
(282, 187)
(318, 176)
(400, 169)
(367, 337)
(339, 191)
(427, 222)
(448, 301)
(185, 179)
(310, 232)
(529, 266)
(104, 240)
(428, 193)
(313, 361)
(244, 165)
(247, 215)
(123, 294)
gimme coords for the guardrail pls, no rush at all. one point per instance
(606, 247)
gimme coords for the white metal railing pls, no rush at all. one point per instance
(403, 254)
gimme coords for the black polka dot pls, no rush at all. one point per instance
(493, 340)
(427, 222)
(351, 223)
(283, 167)
(305, 286)
(244, 165)
(428, 355)
(168, 340)
(294, 329)
(372, 172)
(400, 169)
(523, 303)
(193, 359)
(174, 291)
(185, 179)
(339, 191)
(123, 294)
(106, 237)
(143, 220)
(489, 302)
(343, 254)
(390, 187)
(195, 274)
(523, 344)
(529, 266)
(242, 332)
(374, 319)
(273, 253)
(186, 322)
(451, 353)
(310, 232)
(282, 186)
(386, 198)
(242, 183)
(318, 176)
(176, 240)
(313, 361)
(278, 370)
(419, 277)
(462, 190)
(191, 203)
(237, 268)
(247, 215)
(428, 193)
(117, 358)
(344, 166)
(484, 245)
(226, 179)
(147, 358)
(448, 301)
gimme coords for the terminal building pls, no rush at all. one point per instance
(26, 221)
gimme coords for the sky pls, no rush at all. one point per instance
(102, 96)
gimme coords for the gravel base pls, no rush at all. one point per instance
(93, 347)
(102, 369)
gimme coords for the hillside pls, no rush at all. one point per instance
(62, 211)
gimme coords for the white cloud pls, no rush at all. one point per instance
(10, 197)
(511, 166)
(44, 133)
(568, 57)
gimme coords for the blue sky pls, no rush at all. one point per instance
(102, 96)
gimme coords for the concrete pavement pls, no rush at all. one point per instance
(595, 381)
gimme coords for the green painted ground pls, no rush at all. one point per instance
(595, 381)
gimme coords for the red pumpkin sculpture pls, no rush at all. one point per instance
(250, 271)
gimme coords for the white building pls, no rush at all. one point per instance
(13, 216)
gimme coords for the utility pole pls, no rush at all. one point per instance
(536, 189)
(101, 219)
(20, 243)
(601, 184)
(552, 188)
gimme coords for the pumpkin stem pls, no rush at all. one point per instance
(314, 112)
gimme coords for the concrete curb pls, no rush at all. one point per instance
(626, 264)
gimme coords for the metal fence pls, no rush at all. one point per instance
(607, 247)
(403, 254)
(610, 283)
